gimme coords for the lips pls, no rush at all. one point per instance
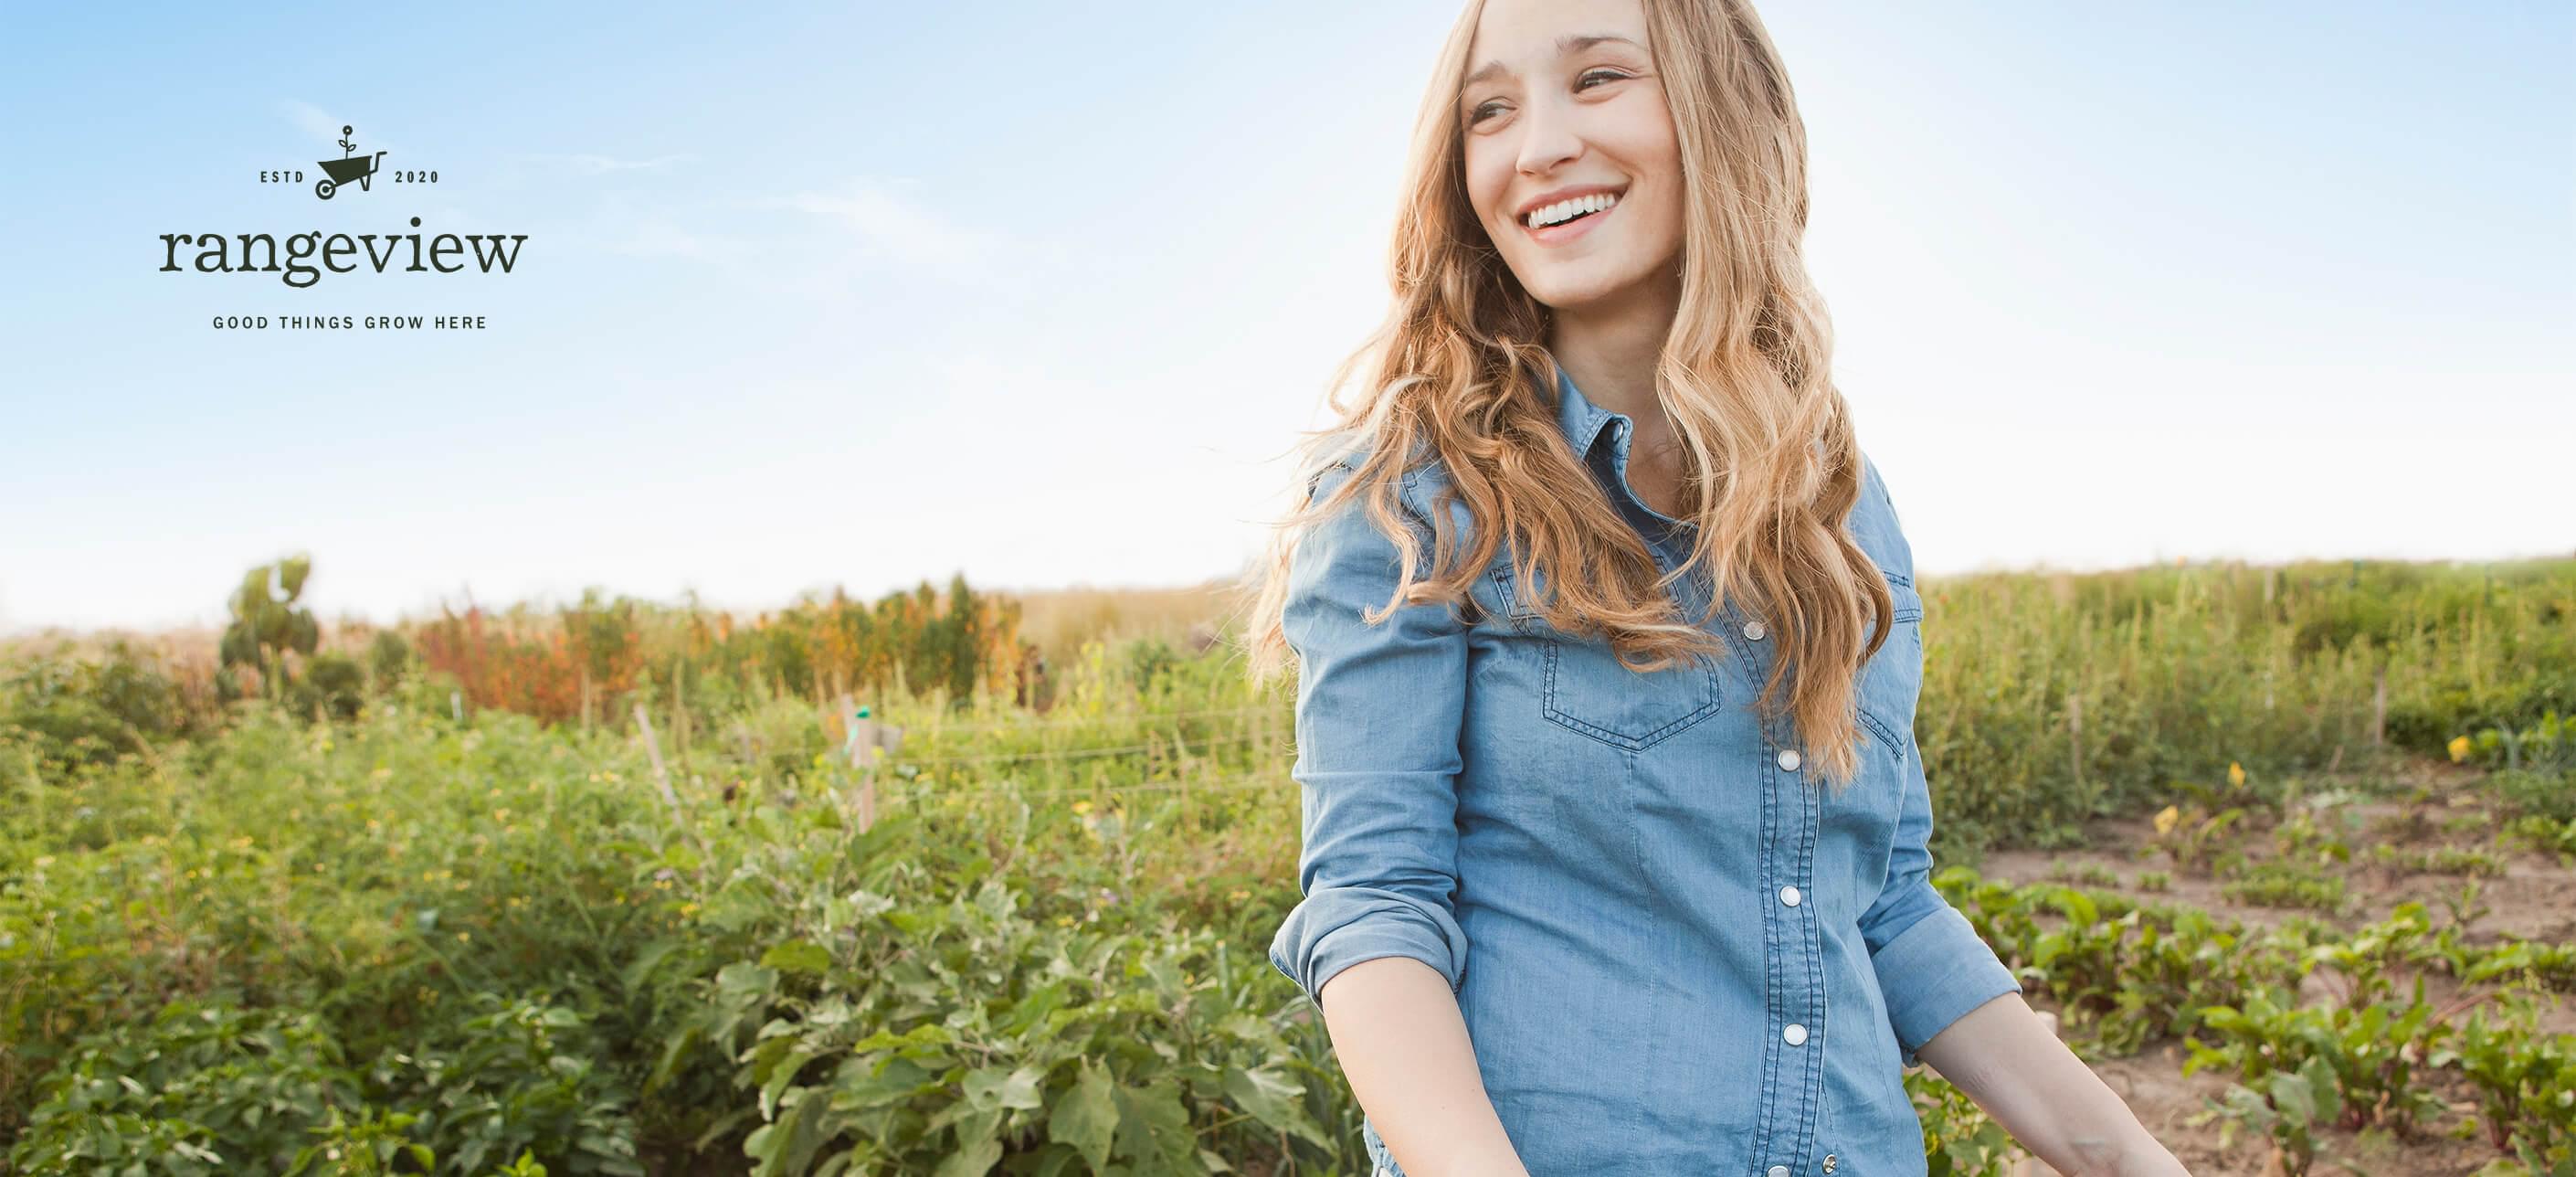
(1542, 200)
(1565, 231)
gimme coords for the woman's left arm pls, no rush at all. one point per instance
(2004, 1057)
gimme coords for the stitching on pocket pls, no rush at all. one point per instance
(1556, 648)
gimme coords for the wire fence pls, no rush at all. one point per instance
(1234, 783)
(1079, 753)
(1076, 722)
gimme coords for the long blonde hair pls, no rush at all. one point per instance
(1772, 466)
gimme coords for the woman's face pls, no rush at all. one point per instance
(1562, 101)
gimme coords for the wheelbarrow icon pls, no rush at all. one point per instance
(359, 168)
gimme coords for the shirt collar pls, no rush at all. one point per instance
(1597, 444)
(1579, 418)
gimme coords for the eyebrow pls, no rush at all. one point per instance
(1569, 43)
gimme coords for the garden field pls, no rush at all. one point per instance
(2289, 853)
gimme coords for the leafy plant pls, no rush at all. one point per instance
(267, 624)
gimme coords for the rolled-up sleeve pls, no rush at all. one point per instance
(1932, 966)
(1378, 715)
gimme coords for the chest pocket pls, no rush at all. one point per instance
(1893, 680)
(1584, 689)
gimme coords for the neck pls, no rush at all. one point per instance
(1610, 348)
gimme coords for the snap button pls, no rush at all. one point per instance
(1754, 631)
(1789, 895)
(1794, 1034)
(1829, 1162)
(1788, 760)
(1776, 1171)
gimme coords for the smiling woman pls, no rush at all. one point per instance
(1616, 829)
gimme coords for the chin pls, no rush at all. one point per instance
(1572, 291)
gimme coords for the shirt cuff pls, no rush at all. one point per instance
(1334, 929)
(1935, 972)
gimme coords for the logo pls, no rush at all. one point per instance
(341, 253)
(346, 168)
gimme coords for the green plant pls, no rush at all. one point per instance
(2356, 1063)
(2525, 1083)
(519, 1075)
(368, 1147)
(2287, 1107)
(2192, 837)
(267, 624)
(2286, 884)
(204, 1087)
(1959, 1139)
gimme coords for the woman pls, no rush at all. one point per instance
(1607, 870)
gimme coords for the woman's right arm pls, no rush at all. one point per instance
(1375, 942)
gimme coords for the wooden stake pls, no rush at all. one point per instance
(2075, 732)
(670, 797)
(2379, 706)
(680, 712)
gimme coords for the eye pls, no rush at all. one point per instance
(1583, 82)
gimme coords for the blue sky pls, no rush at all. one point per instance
(820, 295)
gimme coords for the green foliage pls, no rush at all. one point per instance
(2525, 1082)
(266, 623)
(1959, 1139)
(2279, 883)
(1044, 955)
(2548, 794)
(389, 658)
(201, 1089)
(69, 712)
(2355, 1065)
(333, 684)
(2051, 700)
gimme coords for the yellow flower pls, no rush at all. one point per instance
(2166, 818)
(462, 937)
(2459, 749)
(1240, 896)
(2235, 773)
(1082, 807)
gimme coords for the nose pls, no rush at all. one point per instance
(1548, 138)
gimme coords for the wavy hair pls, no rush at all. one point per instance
(1772, 469)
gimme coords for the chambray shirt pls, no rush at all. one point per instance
(1673, 954)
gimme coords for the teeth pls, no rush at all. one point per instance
(1564, 210)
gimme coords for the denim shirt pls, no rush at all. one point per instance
(1672, 953)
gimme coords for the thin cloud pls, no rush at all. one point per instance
(658, 238)
(325, 127)
(893, 227)
(590, 164)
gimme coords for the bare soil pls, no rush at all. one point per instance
(2535, 899)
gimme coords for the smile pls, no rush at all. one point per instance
(1569, 219)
